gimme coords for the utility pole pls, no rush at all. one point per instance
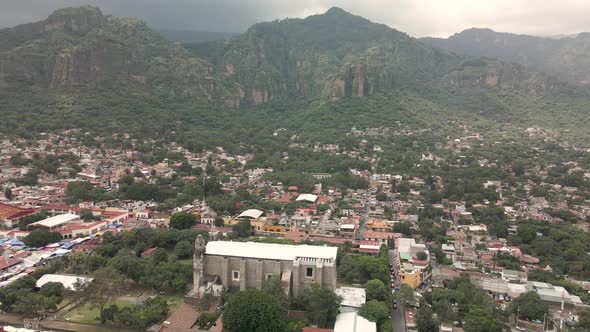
(517, 312)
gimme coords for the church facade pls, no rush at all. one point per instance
(243, 265)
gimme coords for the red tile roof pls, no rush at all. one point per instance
(148, 251)
(379, 235)
(8, 262)
(13, 212)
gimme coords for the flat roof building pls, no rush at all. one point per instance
(247, 264)
(352, 322)
(307, 198)
(68, 281)
(250, 213)
(352, 298)
(413, 272)
(56, 221)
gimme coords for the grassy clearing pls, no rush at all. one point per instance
(86, 313)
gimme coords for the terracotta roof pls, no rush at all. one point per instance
(379, 235)
(8, 262)
(148, 251)
(182, 319)
(12, 212)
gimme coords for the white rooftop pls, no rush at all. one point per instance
(352, 296)
(67, 281)
(251, 213)
(352, 322)
(307, 198)
(284, 252)
(448, 247)
(404, 244)
(57, 220)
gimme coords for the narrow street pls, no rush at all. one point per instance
(398, 320)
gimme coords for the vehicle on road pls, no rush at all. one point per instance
(394, 305)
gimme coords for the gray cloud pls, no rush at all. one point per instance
(416, 17)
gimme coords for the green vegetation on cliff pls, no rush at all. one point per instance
(317, 76)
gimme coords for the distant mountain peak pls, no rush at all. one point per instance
(337, 11)
(78, 19)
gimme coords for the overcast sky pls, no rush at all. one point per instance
(419, 18)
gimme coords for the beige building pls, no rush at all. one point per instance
(247, 264)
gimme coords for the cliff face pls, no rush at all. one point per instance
(81, 48)
(327, 57)
(567, 58)
(338, 55)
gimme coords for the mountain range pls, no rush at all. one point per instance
(567, 58)
(81, 68)
(195, 36)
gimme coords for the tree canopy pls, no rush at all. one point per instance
(41, 237)
(254, 310)
(182, 220)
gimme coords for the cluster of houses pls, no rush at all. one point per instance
(361, 219)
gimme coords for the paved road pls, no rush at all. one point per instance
(360, 234)
(398, 319)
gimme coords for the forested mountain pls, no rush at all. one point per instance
(567, 58)
(194, 36)
(80, 68)
(337, 55)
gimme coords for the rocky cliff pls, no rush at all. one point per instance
(80, 48)
(324, 57)
(567, 58)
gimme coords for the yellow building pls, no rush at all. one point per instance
(413, 272)
(277, 229)
(378, 226)
(410, 276)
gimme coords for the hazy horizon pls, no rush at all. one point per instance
(429, 18)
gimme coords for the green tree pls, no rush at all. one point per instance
(405, 294)
(184, 249)
(182, 220)
(254, 310)
(30, 303)
(218, 222)
(8, 193)
(24, 222)
(518, 167)
(242, 229)
(41, 237)
(527, 233)
(106, 286)
(480, 320)
(425, 321)
(321, 305)
(86, 215)
(402, 227)
(376, 290)
(375, 311)
(52, 289)
(529, 305)
(274, 287)
(583, 323)
(421, 255)
(137, 173)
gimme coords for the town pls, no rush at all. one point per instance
(173, 234)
